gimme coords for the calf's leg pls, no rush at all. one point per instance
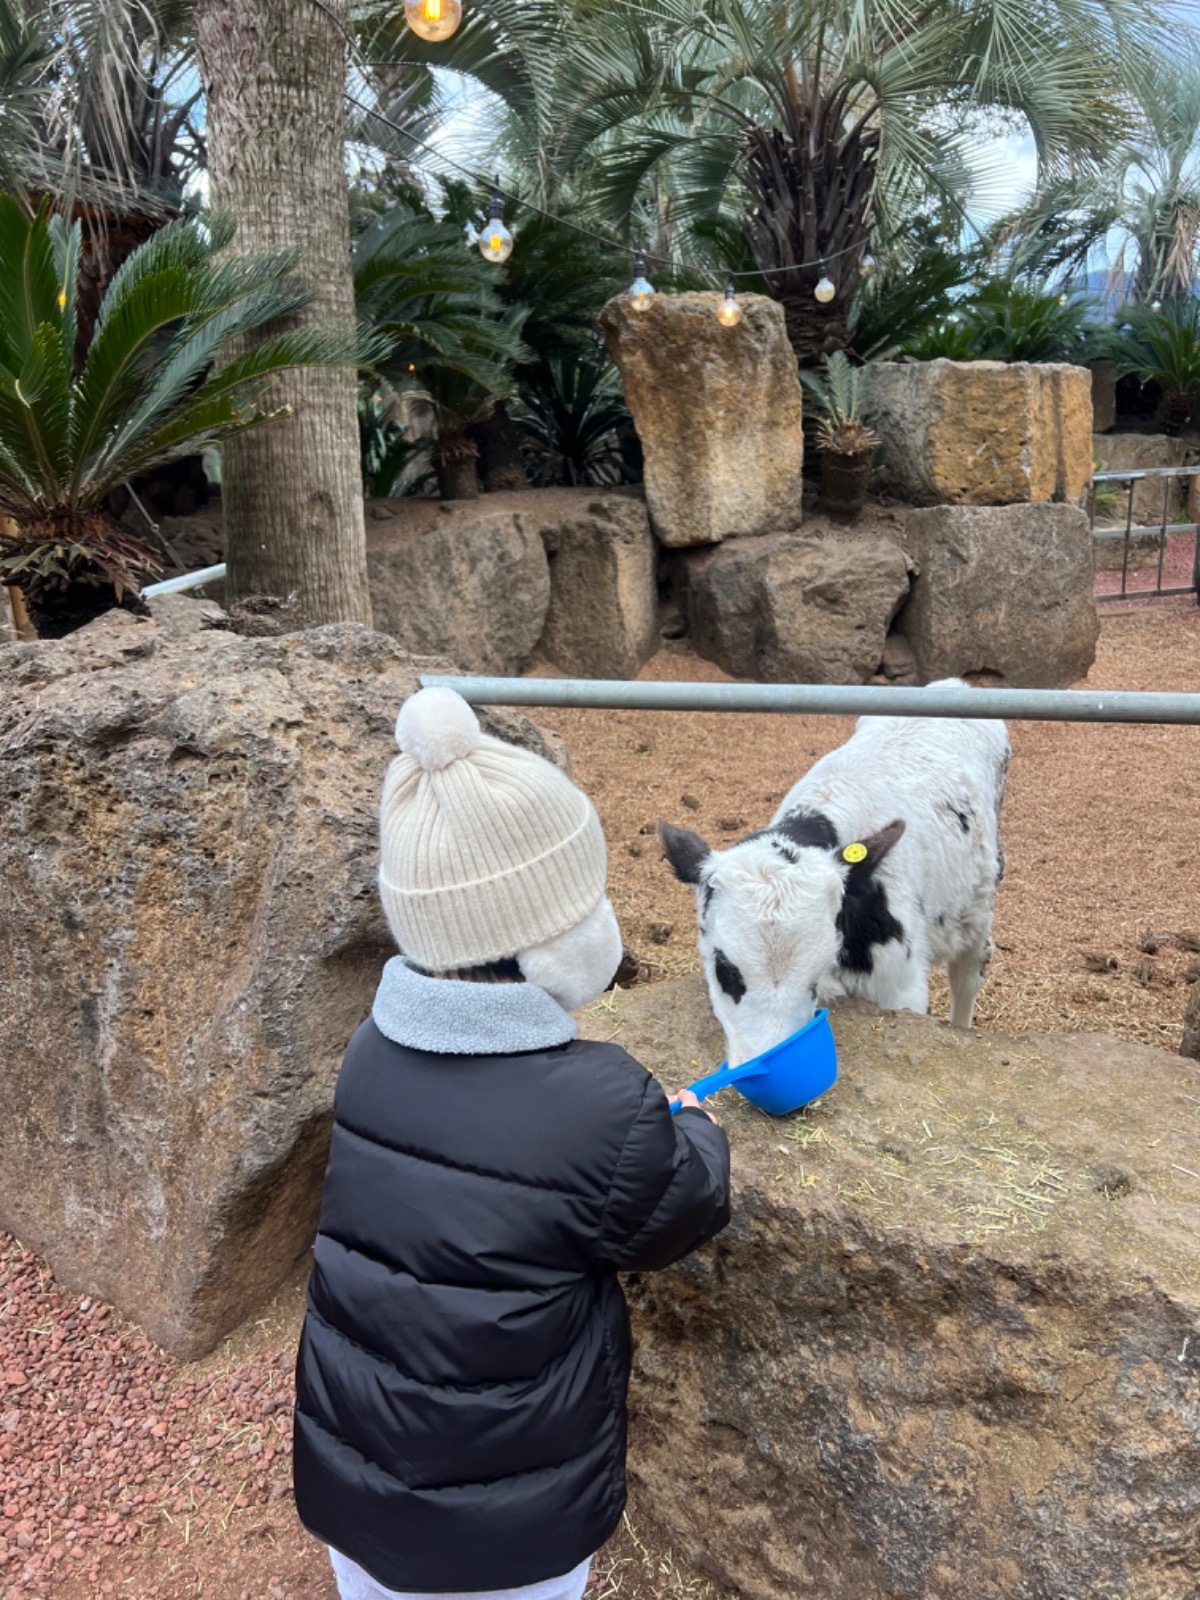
(966, 970)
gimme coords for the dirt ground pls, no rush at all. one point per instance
(1100, 832)
(123, 1473)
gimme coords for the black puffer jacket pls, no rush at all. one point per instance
(460, 1411)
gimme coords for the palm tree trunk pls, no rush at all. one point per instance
(274, 77)
(814, 190)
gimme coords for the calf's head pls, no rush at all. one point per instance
(774, 914)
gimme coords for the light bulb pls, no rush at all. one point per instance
(867, 267)
(729, 313)
(1156, 306)
(433, 19)
(1062, 299)
(495, 242)
(641, 290)
(825, 291)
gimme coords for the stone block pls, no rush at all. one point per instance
(189, 936)
(1104, 395)
(1003, 590)
(947, 1345)
(469, 580)
(981, 432)
(793, 607)
(602, 620)
(718, 412)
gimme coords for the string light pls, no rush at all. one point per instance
(867, 266)
(495, 242)
(1062, 299)
(1156, 306)
(641, 290)
(824, 291)
(671, 265)
(433, 19)
(729, 313)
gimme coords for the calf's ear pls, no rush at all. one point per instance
(880, 844)
(686, 851)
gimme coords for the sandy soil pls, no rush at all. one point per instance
(1099, 830)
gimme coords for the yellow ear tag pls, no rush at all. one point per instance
(854, 853)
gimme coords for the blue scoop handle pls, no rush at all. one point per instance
(720, 1079)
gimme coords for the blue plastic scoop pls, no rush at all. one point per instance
(784, 1078)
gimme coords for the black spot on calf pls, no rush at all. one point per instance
(807, 828)
(864, 921)
(729, 977)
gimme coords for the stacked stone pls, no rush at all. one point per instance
(999, 459)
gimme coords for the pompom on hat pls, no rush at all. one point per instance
(486, 849)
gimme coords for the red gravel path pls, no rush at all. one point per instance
(1177, 573)
(102, 1437)
(125, 1474)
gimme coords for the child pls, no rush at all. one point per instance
(461, 1379)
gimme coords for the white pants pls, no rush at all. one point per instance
(355, 1584)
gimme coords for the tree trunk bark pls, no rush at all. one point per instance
(274, 77)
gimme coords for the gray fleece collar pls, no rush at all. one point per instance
(466, 1019)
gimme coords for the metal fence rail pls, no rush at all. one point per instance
(1014, 705)
(189, 580)
(1164, 529)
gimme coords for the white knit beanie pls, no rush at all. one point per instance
(485, 849)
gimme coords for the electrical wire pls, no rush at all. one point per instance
(720, 273)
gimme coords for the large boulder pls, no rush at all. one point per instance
(1003, 590)
(950, 1343)
(981, 432)
(794, 608)
(468, 579)
(718, 412)
(189, 935)
(603, 616)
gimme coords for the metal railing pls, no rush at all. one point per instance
(1162, 532)
(1014, 705)
(189, 580)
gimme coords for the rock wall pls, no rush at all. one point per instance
(469, 580)
(189, 935)
(1134, 452)
(792, 607)
(1004, 590)
(950, 1344)
(981, 432)
(718, 412)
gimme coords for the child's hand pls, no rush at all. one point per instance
(685, 1097)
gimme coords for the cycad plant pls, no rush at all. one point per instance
(159, 382)
(1010, 321)
(1163, 347)
(844, 440)
(449, 337)
(568, 421)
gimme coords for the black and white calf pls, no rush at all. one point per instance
(881, 863)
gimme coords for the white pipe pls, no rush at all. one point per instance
(189, 580)
(1028, 705)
